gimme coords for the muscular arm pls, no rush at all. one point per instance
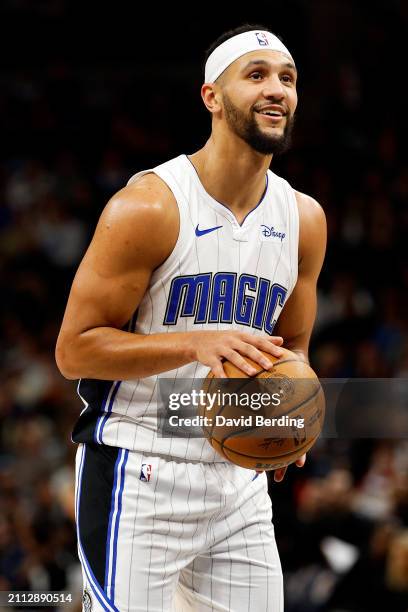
(296, 321)
(136, 233)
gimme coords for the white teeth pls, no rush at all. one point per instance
(271, 113)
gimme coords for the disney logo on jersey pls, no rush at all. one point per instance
(270, 233)
(225, 297)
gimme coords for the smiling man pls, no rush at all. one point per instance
(206, 257)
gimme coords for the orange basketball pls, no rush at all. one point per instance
(257, 434)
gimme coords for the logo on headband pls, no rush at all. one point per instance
(262, 39)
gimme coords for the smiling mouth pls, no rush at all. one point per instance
(272, 117)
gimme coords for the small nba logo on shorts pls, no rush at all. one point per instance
(145, 472)
(262, 39)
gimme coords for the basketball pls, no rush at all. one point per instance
(270, 435)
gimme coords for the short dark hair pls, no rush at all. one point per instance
(246, 27)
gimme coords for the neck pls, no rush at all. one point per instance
(232, 172)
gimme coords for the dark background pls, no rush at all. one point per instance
(92, 94)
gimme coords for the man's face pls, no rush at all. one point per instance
(259, 100)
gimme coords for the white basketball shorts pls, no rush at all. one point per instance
(159, 534)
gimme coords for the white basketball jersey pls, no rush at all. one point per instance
(220, 275)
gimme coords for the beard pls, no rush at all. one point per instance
(247, 128)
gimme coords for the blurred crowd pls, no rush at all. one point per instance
(74, 134)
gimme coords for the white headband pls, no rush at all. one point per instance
(238, 45)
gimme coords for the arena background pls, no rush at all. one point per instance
(91, 94)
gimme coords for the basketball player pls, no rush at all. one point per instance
(192, 262)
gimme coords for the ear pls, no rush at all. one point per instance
(211, 95)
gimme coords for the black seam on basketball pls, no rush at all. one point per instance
(272, 457)
(265, 458)
(275, 363)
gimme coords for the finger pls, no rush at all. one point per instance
(278, 340)
(255, 354)
(239, 361)
(268, 345)
(218, 370)
(279, 474)
(301, 461)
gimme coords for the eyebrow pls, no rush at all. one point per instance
(265, 63)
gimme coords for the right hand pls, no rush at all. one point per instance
(211, 347)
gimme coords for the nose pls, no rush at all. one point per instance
(274, 88)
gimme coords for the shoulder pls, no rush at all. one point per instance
(142, 217)
(147, 198)
(312, 228)
(309, 209)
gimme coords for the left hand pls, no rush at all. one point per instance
(279, 475)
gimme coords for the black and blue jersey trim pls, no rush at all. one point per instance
(98, 397)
